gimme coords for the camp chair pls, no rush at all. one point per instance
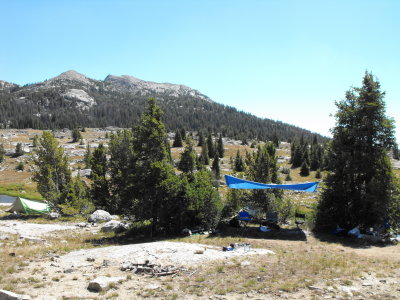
(271, 220)
(299, 219)
(244, 217)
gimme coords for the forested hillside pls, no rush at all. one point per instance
(71, 100)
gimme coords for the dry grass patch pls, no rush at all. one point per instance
(295, 266)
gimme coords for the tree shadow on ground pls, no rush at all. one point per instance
(20, 217)
(253, 232)
(347, 241)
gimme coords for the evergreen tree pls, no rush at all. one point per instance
(151, 166)
(120, 168)
(204, 205)
(183, 133)
(215, 166)
(177, 139)
(210, 146)
(238, 167)
(306, 155)
(361, 190)
(201, 139)
(187, 163)
(87, 157)
(275, 140)
(77, 200)
(297, 156)
(262, 167)
(35, 141)
(99, 191)
(76, 135)
(305, 169)
(2, 153)
(396, 151)
(204, 156)
(220, 147)
(19, 151)
(52, 175)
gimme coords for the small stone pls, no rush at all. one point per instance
(90, 258)
(152, 286)
(245, 263)
(7, 295)
(102, 283)
(69, 270)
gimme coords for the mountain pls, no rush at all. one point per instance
(72, 100)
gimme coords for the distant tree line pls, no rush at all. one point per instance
(46, 108)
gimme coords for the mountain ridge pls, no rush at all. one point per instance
(72, 99)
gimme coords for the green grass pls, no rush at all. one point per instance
(20, 190)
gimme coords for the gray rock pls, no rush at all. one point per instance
(7, 295)
(245, 263)
(4, 237)
(69, 270)
(102, 283)
(114, 226)
(99, 216)
(53, 215)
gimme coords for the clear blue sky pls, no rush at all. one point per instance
(284, 60)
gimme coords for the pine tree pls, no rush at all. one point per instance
(76, 135)
(151, 166)
(215, 166)
(187, 163)
(99, 191)
(297, 156)
(220, 147)
(396, 151)
(183, 133)
(305, 169)
(261, 166)
(177, 139)
(77, 200)
(201, 139)
(238, 167)
(52, 173)
(2, 153)
(19, 151)
(204, 156)
(361, 190)
(210, 146)
(35, 141)
(87, 157)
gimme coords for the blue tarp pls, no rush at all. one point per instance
(237, 183)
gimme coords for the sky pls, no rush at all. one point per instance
(283, 60)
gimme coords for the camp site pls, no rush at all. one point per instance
(211, 150)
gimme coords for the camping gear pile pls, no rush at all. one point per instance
(245, 247)
(379, 234)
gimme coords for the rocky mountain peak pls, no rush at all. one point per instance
(72, 76)
(134, 84)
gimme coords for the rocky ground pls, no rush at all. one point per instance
(187, 269)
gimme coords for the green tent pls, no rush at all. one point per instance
(26, 206)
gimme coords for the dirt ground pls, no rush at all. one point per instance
(53, 275)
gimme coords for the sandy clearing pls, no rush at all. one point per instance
(32, 230)
(163, 253)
